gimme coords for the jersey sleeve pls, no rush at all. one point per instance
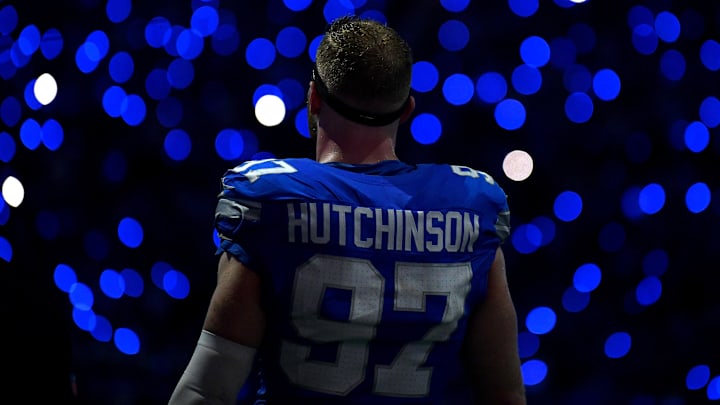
(239, 206)
(502, 223)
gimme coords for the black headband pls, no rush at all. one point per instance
(352, 113)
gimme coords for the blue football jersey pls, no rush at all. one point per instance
(369, 273)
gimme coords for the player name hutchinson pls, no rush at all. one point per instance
(380, 228)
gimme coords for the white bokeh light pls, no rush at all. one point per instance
(45, 89)
(270, 110)
(518, 165)
(13, 191)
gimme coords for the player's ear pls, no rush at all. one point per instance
(313, 99)
(409, 108)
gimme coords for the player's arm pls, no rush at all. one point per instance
(491, 345)
(232, 331)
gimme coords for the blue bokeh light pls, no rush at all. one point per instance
(491, 87)
(526, 79)
(127, 341)
(102, 330)
(8, 19)
(29, 40)
(133, 110)
(458, 89)
(710, 111)
(260, 53)
(644, 39)
(426, 128)
(29, 94)
(697, 198)
(301, 123)
(651, 198)
(574, 300)
(130, 232)
(618, 345)
(425, 76)
(547, 228)
(606, 84)
(697, 377)
(81, 296)
(64, 277)
(528, 344)
(226, 40)
(10, 111)
(667, 26)
(102, 45)
(31, 134)
(697, 136)
(587, 277)
(710, 54)
(541, 320)
(229, 144)
(568, 206)
(158, 84)
(454, 6)
(51, 44)
(113, 101)
(87, 57)
(189, 44)
(291, 42)
(639, 14)
(177, 144)
(118, 10)
(264, 90)
(52, 134)
(121, 67)
(579, 107)
(524, 8)
(7, 147)
(112, 283)
(176, 284)
(157, 32)
(297, 5)
(453, 35)
(648, 290)
(713, 389)
(180, 73)
(337, 8)
(157, 273)
(526, 238)
(510, 114)
(85, 319)
(673, 65)
(655, 263)
(534, 372)
(535, 51)
(134, 284)
(6, 250)
(205, 20)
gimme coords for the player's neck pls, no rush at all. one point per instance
(354, 149)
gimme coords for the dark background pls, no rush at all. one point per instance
(174, 200)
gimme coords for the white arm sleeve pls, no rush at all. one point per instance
(217, 370)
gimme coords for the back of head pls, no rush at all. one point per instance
(366, 64)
